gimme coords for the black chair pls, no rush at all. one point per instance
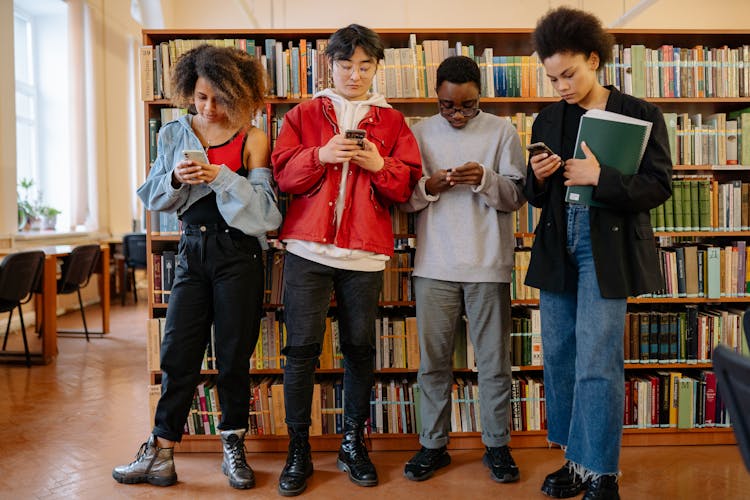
(733, 377)
(134, 253)
(20, 274)
(77, 269)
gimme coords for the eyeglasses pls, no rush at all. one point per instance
(347, 68)
(466, 111)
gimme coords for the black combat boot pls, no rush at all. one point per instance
(298, 468)
(603, 487)
(563, 483)
(234, 464)
(353, 457)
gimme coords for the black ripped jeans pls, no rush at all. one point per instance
(307, 296)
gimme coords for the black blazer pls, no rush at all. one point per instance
(622, 238)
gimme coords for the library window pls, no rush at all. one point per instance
(43, 158)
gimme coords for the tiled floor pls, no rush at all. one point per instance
(64, 426)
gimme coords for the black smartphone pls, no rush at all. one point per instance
(536, 148)
(357, 134)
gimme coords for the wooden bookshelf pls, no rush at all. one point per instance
(503, 42)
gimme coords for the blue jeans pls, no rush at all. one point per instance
(584, 375)
(307, 297)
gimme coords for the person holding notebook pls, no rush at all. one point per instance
(586, 260)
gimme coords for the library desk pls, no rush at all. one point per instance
(45, 304)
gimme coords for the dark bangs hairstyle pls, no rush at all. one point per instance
(344, 42)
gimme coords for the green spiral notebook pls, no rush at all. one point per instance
(617, 141)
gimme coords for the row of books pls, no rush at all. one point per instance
(518, 290)
(704, 271)
(397, 285)
(702, 203)
(716, 139)
(662, 399)
(669, 399)
(164, 265)
(299, 69)
(669, 71)
(396, 343)
(394, 407)
(687, 336)
(526, 339)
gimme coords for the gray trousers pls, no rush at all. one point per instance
(439, 307)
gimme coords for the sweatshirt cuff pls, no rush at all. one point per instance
(422, 186)
(479, 188)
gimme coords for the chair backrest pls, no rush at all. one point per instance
(733, 377)
(134, 250)
(19, 274)
(77, 268)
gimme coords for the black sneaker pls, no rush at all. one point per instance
(424, 464)
(502, 467)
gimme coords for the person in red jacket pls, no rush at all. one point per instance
(338, 238)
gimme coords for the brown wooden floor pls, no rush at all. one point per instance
(64, 426)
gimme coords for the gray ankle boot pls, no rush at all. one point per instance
(152, 465)
(234, 465)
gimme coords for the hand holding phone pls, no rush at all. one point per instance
(195, 155)
(538, 148)
(356, 134)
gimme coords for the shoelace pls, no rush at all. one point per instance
(237, 455)
(427, 455)
(502, 455)
(298, 454)
(141, 452)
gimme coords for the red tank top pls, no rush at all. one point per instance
(205, 210)
(230, 153)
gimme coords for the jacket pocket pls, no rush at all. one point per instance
(374, 200)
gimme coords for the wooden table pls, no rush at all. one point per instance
(46, 301)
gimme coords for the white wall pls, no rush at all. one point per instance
(693, 14)
(8, 214)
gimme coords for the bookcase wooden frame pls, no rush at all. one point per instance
(504, 41)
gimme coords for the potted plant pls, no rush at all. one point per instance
(49, 217)
(28, 209)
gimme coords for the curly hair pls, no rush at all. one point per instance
(458, 69)
(236, 77)
(571, 30)
(345, 41)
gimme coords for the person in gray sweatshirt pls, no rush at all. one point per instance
(473, 176)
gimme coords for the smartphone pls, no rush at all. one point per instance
(539, 148)
(356, 133)
(196, 155)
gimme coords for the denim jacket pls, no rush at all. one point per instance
(247, 204)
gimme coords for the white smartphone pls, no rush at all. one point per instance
(196, 155)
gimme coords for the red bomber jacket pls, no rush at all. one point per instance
(366, 220)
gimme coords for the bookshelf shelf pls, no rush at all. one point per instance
(504, 42)
(687, 300)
